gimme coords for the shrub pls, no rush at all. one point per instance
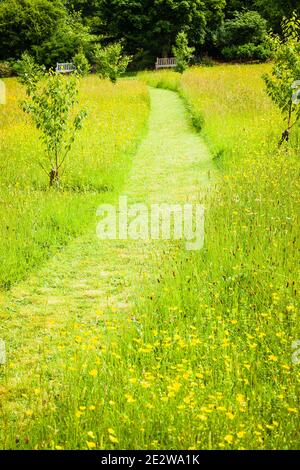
(81, 63)
(5, 70)
(207, 61)
(182, 52)
(110, 61)
(246, 27)
(249, 51)
(244, 37)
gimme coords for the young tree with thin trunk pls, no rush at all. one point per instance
(182, 52)
(284, 82)
(51, 101)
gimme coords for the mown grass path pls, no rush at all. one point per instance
(171, 165)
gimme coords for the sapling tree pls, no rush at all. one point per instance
(81, 63)
(51, 99)
(110, 61)
(182, 52)
(283, 85)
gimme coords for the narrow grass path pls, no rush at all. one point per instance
(90, 275)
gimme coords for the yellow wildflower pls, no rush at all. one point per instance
(113, 439)
(93, 373)
(91, 445)
(292, 410)
(273, 358)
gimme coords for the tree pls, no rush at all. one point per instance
(214, 18)
(244, 37)
(169, 17)
(182, 52)
(151, 26)
(110, 61)
(69, 37)
(90, 11)
(54, 30)
(50, 103)
(81, 63)
(275, 10)
(244, 28)
(27, 23)
(271, 10)
(283, 84)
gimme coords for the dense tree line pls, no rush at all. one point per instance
(55, 30)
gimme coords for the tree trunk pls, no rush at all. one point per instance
(54, 176)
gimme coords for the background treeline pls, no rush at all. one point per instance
(57, 30)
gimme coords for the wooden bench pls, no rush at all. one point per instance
(165, 63)
(65, 67)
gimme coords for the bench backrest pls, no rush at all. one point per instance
(165, 62)
(66, 67)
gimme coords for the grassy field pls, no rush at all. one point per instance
(228, 373)
(204, 359)
(35, 221)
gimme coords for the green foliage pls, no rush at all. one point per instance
(27, 23)
(214, 18)
(110, 61)
(29, 72)
(244, 37)
(81, 63)
(245, 27)
(286, 71)
(275, 10)
(151, 27)
(51, 106)
(182, 52)
(44, 28)
(246, 52)
(88, 8)
(5, 70)
(69, 37)
(54, 30)
(207, 61)
(272, 10)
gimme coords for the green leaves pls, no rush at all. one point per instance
(81, 63)
(51, 105)
(182, 52)
(110, 61)
(25, 24)
(296, 94)
(286, 71)
(29, 72)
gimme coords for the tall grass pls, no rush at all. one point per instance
(34, 220)
(205, 359)
(235, 304)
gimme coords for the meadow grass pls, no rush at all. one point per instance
(34, 220)
(235, 305)
(205, 359)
